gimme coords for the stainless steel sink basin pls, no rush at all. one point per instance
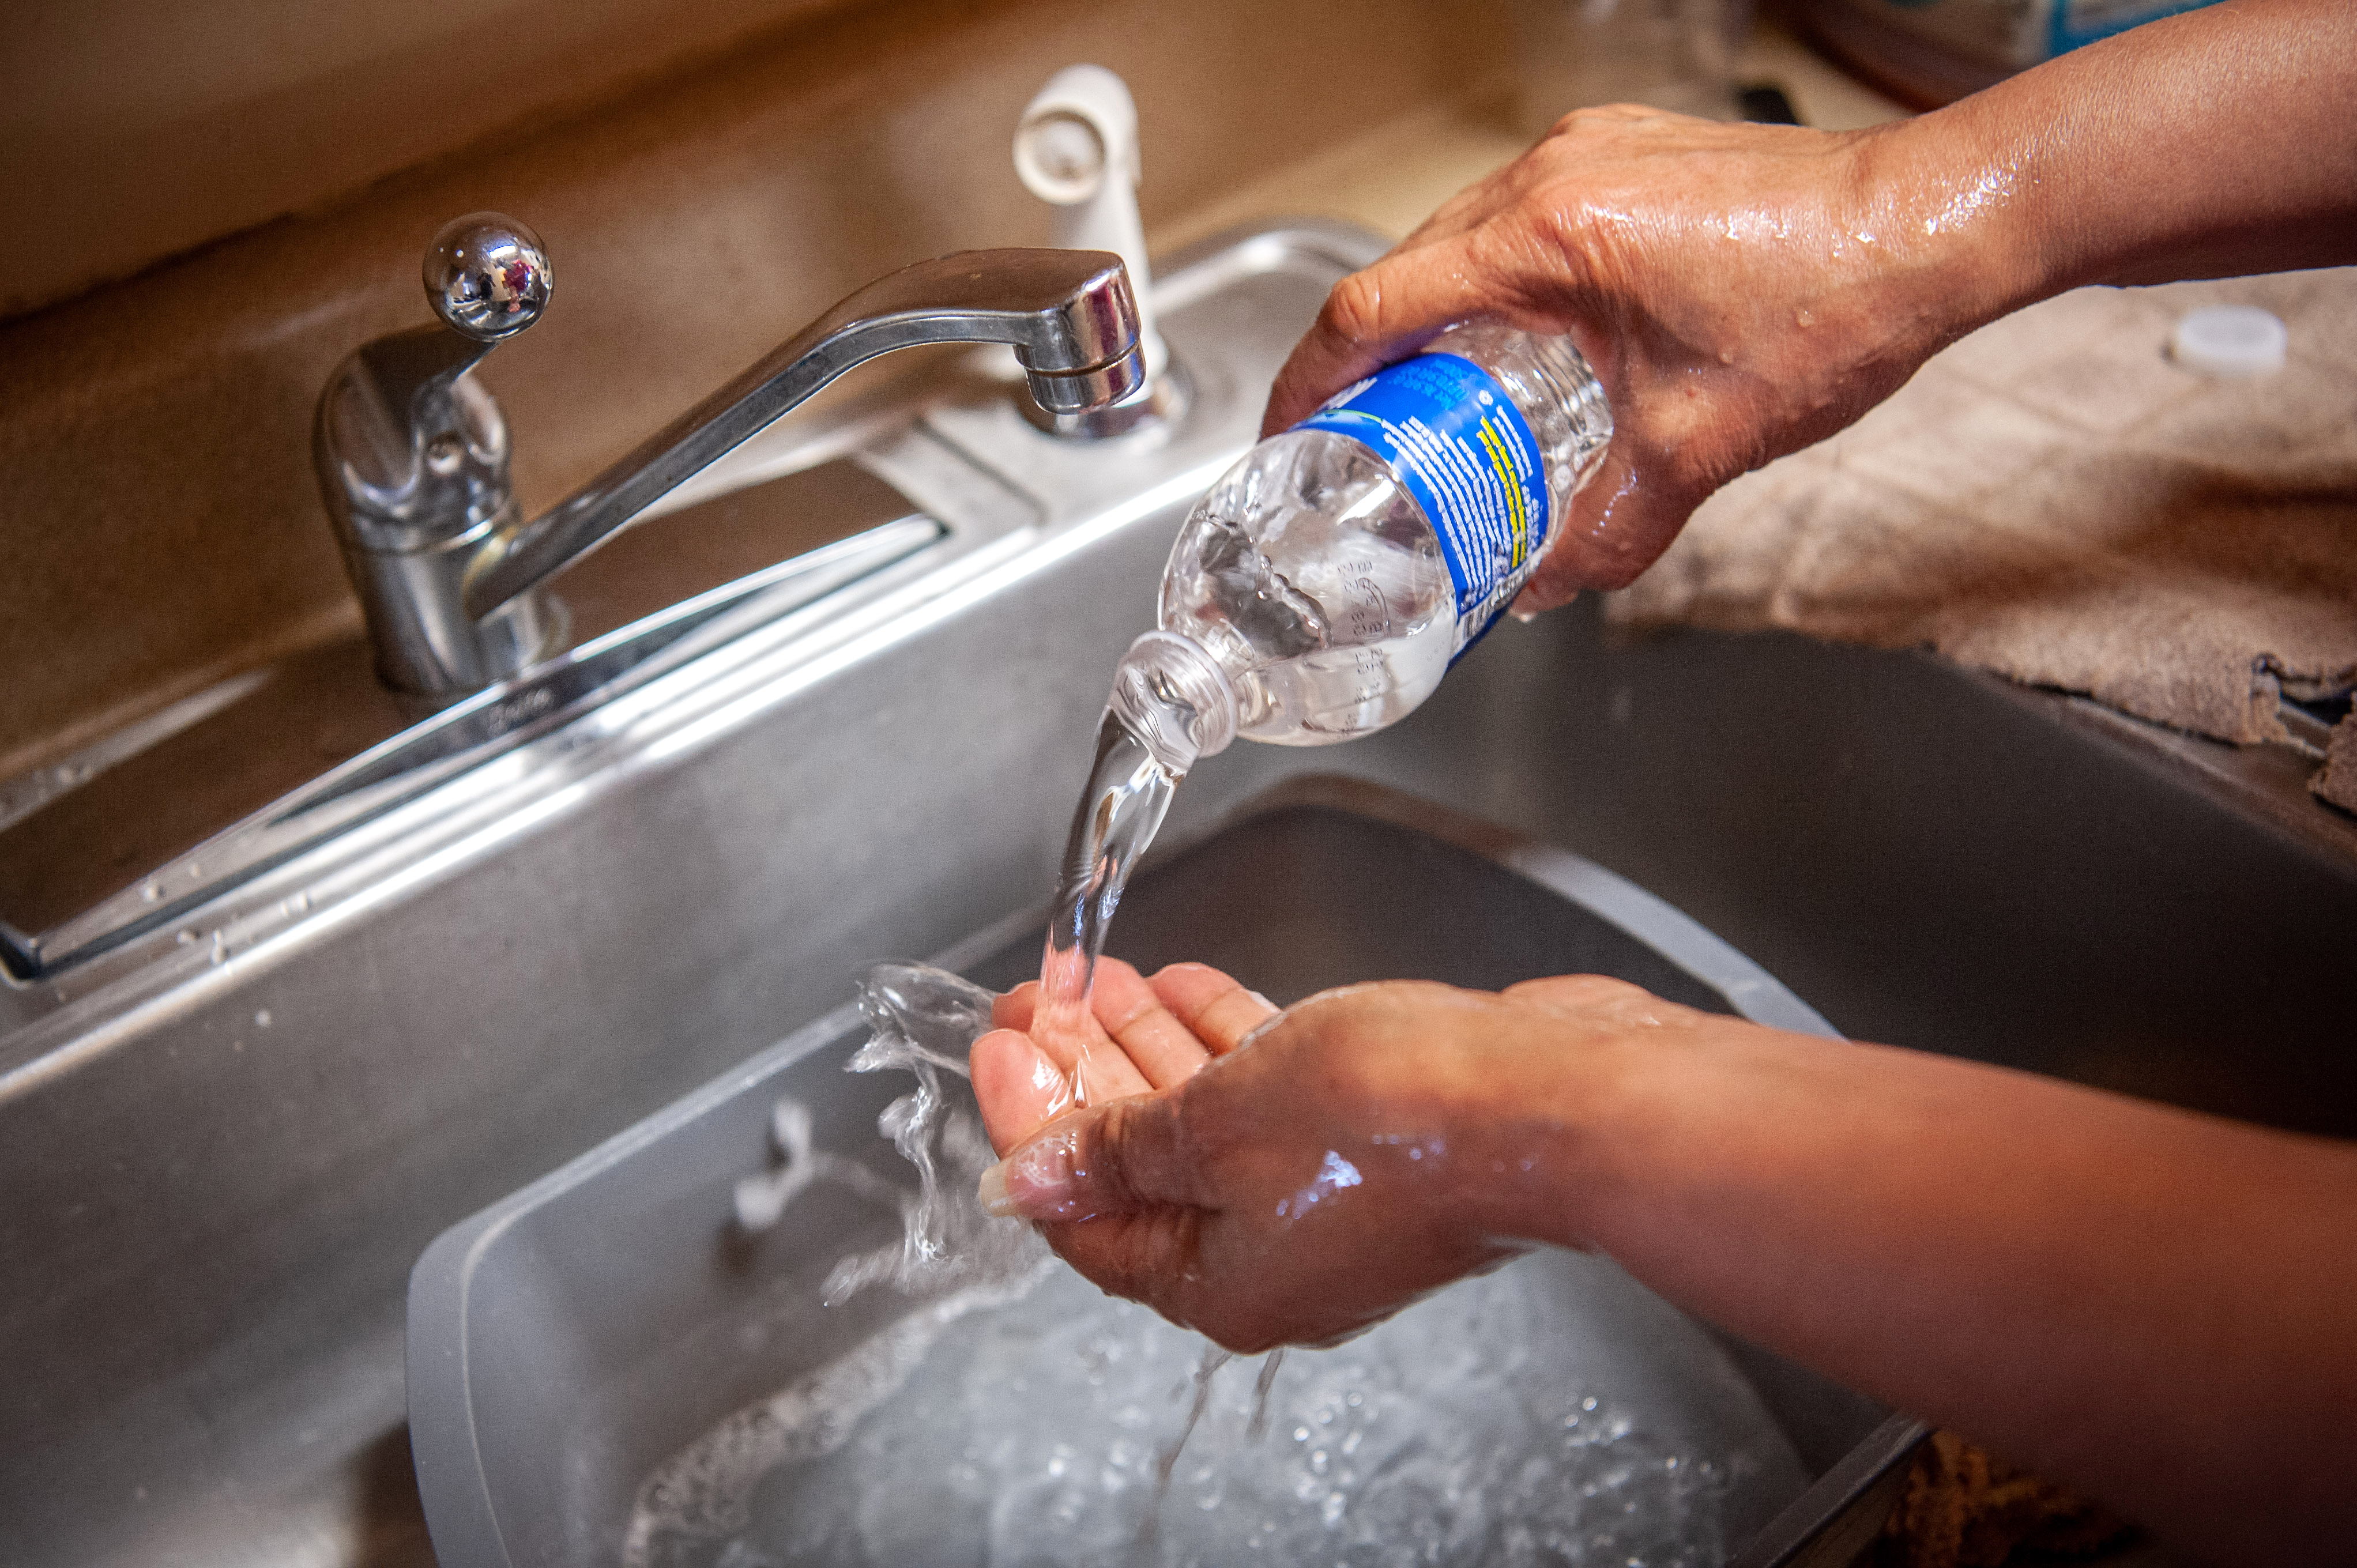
(225, 1139)
(567, 1341)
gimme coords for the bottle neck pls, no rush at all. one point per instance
(1174, 696)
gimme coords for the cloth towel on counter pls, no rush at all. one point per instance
(2054, 499)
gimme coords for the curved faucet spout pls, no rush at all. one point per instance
(1069, 316)
(414, 459)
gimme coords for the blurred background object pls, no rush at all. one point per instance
(1677, 55)
(1930, 52)
(130, 130)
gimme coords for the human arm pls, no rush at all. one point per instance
(1744, 291)
(2150, 1304)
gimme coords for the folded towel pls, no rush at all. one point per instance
(2054, 499)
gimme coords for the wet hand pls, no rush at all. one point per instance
(1742, 291)
(1145, 1035)
(1295, 1177)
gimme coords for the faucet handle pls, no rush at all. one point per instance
(487, 276)
(413, 461)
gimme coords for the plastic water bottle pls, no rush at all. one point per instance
(1324, 585)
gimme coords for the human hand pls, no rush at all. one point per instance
(1144, 1035)
(1295, 1177)
(1742, 291)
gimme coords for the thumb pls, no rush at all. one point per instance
(1372, 317)
(1121, 1158)
(1387, 312)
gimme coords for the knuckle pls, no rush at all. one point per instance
(1353, 311)
(1106, 1152)
(1578, 988)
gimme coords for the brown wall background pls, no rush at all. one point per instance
(161, 525)
(132, 130)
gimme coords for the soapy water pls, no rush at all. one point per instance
(1553, 1412)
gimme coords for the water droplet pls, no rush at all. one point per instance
(184, 938)
(150, 893)
(262, 1019)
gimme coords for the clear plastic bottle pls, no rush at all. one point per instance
(1322, 587)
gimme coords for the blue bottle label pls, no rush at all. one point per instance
(1467, 455)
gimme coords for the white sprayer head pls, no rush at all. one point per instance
(1076, 150)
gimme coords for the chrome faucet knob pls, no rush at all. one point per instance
(413, 455)
(487, 276)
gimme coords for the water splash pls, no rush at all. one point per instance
(922, 1021)
(762, 1200)
(1150, 1528)
(1271, 1364)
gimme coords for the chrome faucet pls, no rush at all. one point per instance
(412, 454)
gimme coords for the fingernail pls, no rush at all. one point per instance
(1036, 1182)
(996, 1201)
(1261, 1000)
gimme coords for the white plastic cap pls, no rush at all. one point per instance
(2229, 340)
(1173, 695)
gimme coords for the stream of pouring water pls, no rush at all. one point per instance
(1127, 796)
(923, 1020)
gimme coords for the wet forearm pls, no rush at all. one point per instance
(2219, 142)
(2065, 1274)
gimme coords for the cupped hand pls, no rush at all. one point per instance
(1742, 291)
(1144, 1036)
(1291, 1178)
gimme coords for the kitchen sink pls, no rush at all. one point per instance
(226, 1136)
(568, 1340)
